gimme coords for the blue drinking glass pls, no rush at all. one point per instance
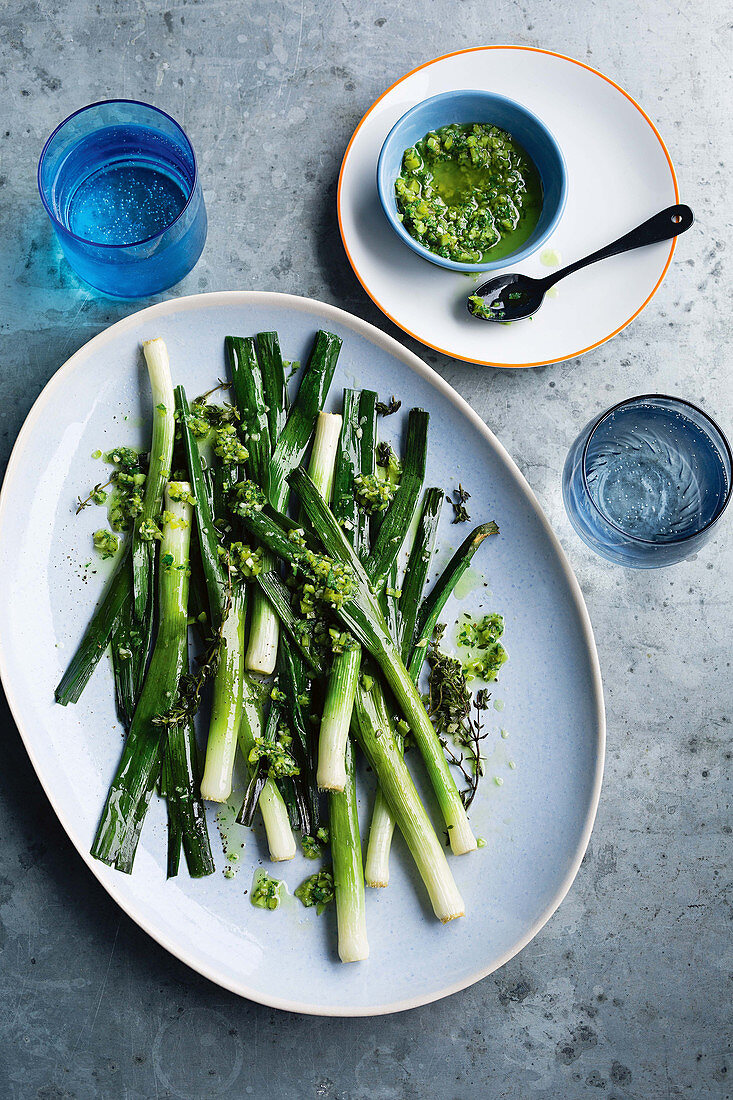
(646, 482)
(120, 184)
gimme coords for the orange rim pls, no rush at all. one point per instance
(489, 362)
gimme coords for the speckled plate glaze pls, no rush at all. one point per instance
(536, 823)
(619, 174)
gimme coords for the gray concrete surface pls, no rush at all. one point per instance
(626, 992)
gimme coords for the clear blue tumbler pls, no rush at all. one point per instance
(120, 184)
(646, 482)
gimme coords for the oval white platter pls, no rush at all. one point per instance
(536, 823)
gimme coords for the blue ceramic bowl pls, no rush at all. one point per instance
(475, 106)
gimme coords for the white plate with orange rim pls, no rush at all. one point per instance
(619, 174)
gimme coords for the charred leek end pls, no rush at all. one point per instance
(348, 873)
(226, 707)
(331, 775)
(381, 831)
(280, 839)
(325, 449)
(373, 729)
(122, 818)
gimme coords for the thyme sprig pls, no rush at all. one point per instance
(202, 398)
(92, 498)
(457, 715)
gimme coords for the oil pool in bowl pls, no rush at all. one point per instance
(469, 193)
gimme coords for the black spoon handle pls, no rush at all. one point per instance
(662, 227)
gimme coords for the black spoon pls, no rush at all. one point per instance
(510, 297)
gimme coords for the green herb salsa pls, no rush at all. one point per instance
(469, 193)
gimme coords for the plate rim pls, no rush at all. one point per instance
(413, 362)
(446, 351)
